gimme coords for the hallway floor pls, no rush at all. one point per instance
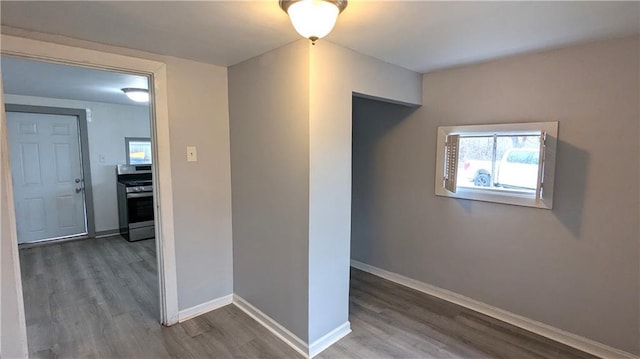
(99, 298)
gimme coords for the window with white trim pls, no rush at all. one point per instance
(138, 150)
(504, 163)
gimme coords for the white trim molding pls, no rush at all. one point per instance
(197, 310)
(573, 340)
(108, 233)
(15, 343)
(299, 345)
(274, 327)
(329, 339)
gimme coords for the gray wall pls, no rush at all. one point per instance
(269, 111)
(575, 267)
(331, 89)
(107, 124)
(291, 167)
(199, 116)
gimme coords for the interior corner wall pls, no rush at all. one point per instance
(575, 267)
(269, 112)
(335, 74)
(107, 126)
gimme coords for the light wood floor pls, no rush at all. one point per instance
(99, 298)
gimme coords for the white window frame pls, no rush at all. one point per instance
(127, 148)
(543, 196)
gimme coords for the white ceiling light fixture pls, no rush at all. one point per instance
(136, 94)
(313, 19)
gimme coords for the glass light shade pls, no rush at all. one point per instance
(313, 19)
(137, 95)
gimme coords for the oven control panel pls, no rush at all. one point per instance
(137, 189)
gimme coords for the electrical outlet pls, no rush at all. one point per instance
(192, 154)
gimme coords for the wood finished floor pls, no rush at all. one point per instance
(392, 321)
(98, 298)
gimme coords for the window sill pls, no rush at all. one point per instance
(496, 196)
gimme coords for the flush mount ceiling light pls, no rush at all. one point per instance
(136, 94)
(313, 19)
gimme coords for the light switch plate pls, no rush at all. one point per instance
(192, 154)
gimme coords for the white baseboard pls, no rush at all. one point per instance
(329, 339)
(205, 307)
(107, 233)
(278, 330)
(308, 351)
(559, 335)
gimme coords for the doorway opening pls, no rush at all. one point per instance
(373, 126)
(51, 145)
(94, 268)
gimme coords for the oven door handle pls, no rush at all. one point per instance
(139, 194)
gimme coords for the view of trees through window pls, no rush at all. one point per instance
(499, 162)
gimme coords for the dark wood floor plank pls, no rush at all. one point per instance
(429, 327)
(99, 299)
(196, 326)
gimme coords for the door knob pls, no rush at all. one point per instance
(78, 180)
(79, 189)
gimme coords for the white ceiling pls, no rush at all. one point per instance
(425, 36)
(218, 32)
(418, 35)
(35, 78)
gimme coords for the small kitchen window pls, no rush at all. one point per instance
(138, 150)
(506, 163)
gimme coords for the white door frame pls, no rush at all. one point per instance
(15, 343)
(157, 74)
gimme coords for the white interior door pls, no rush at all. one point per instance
(47, 176)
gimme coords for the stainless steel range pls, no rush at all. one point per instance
(135, 202)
